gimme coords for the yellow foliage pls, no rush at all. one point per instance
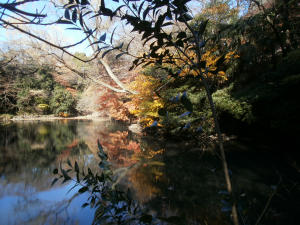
(63, 114)
(210, 59)
(145, 101)
(43, 106)
(220, 12)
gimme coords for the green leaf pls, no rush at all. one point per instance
(67, 14)
(84, 2)
(187, 103)
(108, 209)
(77, 177)
(74, 16)
(107, 52)
(90, 172)
(105, 198)
(103, 37)
(66, 176)
(84, 205)
(100, 147)
(60, 21)
(108, 178)
(65, 180)
(69, 170)
(169, 13)
(99, 212)
(103, 219)
(146, 219)
(101, 178)
(121, 45)
(184, 114)
(146, 12)
(140, 8)
(129, 194)
(101, 156)
(119, 211)
(92, 202)
(80, 19)
(55, 171)
(167, 24)
(107, 172)
(147, 33)
(179, 43)
(104, 164)
(83, 189)
(162, 112)
(182, 34)
(69, 163)
(226, 208)
(186, 16)
(76, 167)
(119, 55)
(73, 28)
(54, 181)
(202, 28)
(113, 200)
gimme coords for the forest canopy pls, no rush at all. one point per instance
(256, 84)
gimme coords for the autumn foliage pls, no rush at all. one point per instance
(122, 151)
(115, 105)
(145, 103)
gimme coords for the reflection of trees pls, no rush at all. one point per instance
(122, 149)
(34, 145)
(195, 187)
(29, 209)
(30, 152)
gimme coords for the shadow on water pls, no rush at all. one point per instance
(172, 178)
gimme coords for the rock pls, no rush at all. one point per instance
(135, 128)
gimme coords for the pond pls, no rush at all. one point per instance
(174, 178)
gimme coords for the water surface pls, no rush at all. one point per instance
(172, 178)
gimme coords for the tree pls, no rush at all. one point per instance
(19, 21)
(149, 18)
(152, 28)
(62, 101)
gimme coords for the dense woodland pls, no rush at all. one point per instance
(180, 68)
(255, 89)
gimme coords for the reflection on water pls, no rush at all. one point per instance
(171, 178)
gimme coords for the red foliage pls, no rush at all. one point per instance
(115, 104)
(62, 80)
(121, 151)
(65, 153)
(72, 91)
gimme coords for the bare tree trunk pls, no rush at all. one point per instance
(106, 66)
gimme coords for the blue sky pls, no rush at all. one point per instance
(71, 35)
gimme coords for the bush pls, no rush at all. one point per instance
(61, 101)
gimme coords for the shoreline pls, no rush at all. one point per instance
(45, 118)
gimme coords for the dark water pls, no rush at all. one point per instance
(30, 151)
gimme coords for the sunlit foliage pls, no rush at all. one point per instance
(146, 102)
